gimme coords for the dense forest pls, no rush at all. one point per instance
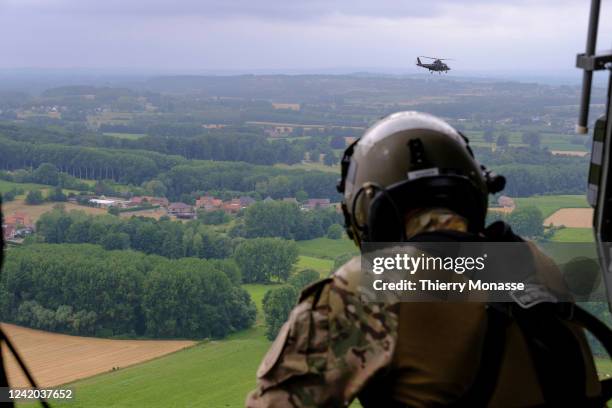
(179, 175)
(83, 289)
(528, 171)
(191, 142)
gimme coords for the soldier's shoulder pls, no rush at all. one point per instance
(341, 297)
(331, 345)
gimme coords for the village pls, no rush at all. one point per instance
(206, 203)
(17, 225)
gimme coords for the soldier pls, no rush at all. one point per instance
(412, 175)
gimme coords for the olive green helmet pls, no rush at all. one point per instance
(406, 161)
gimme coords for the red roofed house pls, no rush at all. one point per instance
(233, 206)
(246, 201)
(8, 232)
(209, 203)
(140, 200)
(181, 210)
(314, 203)
(18, 218)
(506, 202)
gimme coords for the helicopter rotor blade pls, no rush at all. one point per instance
(436, 58)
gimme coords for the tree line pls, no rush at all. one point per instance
(243, 177)
(86, 162)
(531, 171)
(189, 141)
(162, 237)
(525, 180)
(286, 220)
(260, 260)
(83, 289)
(178, 175)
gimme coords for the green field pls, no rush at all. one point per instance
(326, 248)
(604, 367)
(323, 266)
(9, 185)
(131, 136)
(310, 166)
(549, 204)
(257, 292)
(573, 235)
(212, 374)
(551, 141)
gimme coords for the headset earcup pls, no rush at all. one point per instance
(456, 193)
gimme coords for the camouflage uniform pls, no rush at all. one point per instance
(335, 347)
(329, 348)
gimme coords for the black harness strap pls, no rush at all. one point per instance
(4, 339)
(3, 380)
(603, 334)
(595, 326)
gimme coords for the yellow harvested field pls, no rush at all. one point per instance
(571, 218)
(504, 210)
(55, 359)
(291, 106)
(154, 213)
(35, 211)
(575, 153)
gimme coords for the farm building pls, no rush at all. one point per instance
(506, 202)
(209, 203)
(315, 203)
(232, 207)
(140, 200)
(104, 202)
(8, 232)
(181, 210)
(18, 218)
(246, 201)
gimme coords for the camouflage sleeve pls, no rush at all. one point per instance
(329, 348)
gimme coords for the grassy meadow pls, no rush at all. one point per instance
(327, 248)
(549, 204)
(323, 266)
(130, 136)
(210, 374)
(573, 235)
(6, 186)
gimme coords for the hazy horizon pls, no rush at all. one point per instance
(485, 38)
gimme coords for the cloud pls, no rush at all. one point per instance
(293, 34)
(260, 9)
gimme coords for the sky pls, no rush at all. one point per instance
(193, 36)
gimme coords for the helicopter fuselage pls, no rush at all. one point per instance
(436, 66)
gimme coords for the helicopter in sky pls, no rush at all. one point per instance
(436, 66)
